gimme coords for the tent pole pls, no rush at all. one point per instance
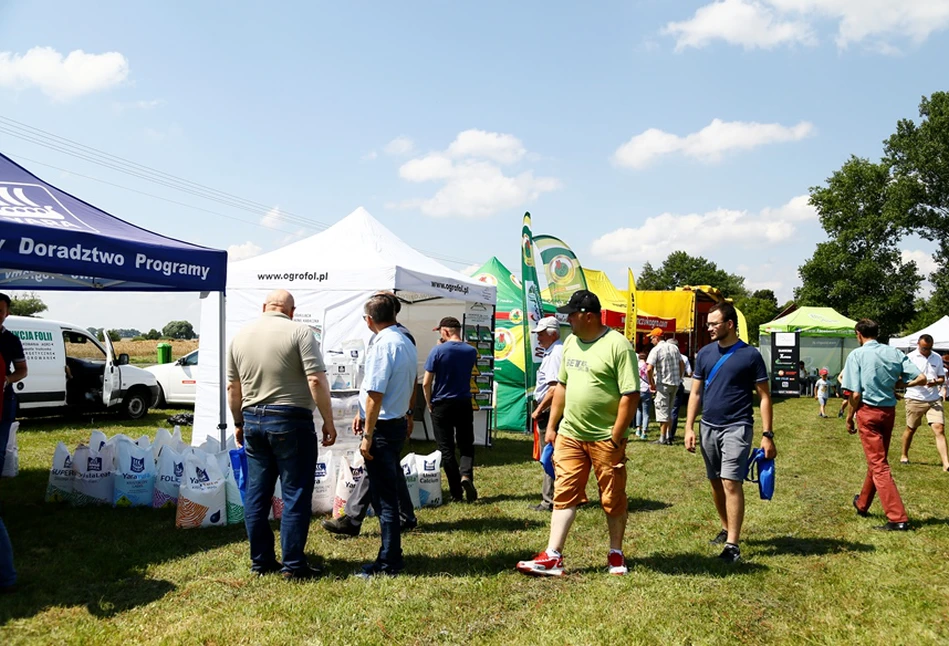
(222, 384)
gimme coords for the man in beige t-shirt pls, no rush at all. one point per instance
(275, 374)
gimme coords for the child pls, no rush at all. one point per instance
(821, 388)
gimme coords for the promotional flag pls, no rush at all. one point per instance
(563, 271)
(533, 307)
(631, 307)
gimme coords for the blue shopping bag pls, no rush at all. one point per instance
(765, 470)
(239, 468)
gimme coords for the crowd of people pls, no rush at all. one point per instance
(592, 392)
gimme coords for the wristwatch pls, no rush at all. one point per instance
(768, 434)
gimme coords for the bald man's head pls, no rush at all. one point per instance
(279, 300)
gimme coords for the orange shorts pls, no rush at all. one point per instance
(572, 462)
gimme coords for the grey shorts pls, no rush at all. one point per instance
(664, 401)
(726, 450)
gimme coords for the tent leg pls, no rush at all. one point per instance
(222, 384)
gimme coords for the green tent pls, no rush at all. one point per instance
(827, 337)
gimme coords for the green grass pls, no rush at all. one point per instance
(813, 573)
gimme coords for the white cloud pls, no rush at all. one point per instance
(473, 181)
(708, 144)
(243, 251)
(923, 259)
(272, 218)
(502, 148)
(399, 146)
(59, 77)
(770, 23)
(369, 156)
(738, 22)
(697, 233)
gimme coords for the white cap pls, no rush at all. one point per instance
(547, 323)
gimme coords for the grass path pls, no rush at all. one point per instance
(813, 573)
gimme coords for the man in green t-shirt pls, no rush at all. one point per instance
(596, 398)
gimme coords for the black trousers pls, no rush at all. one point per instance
(453, 424)
(547, 488)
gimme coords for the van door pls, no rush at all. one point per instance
(45, 386)
(112, 377)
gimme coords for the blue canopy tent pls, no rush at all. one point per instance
(51, 240)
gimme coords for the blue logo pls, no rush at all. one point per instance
(320, 470)
(202, 475)
(406, 469)
(35, 204)
(179, 469)
(67, 464)
(138, 465)
(428, 465)
(216, 517)
(94, 464)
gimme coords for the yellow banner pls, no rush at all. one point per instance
(631, 305)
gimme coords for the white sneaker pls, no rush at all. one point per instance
(616, 564)
(542, 565)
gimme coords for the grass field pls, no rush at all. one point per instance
(814, 572)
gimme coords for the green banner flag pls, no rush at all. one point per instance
(564, 274)
(533, 306)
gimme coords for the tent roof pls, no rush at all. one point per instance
(939, 331)
(812, 321)
(53, 240)
(357, 253)
(510, 291)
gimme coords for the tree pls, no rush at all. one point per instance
(859, 271)
(27, 305)
(680, 269)
(178, 330)
(918, 155)
(153, 335)
(114, 335)
(100, 334)
(758, 308)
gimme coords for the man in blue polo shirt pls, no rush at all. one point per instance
(447, 387)
(726, 376)
(387, 387)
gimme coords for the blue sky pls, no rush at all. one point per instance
(628, 129)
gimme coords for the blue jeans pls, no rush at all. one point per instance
(7, 573)
(7, 417)
(384, 473)
(279, 441)
(642, 413)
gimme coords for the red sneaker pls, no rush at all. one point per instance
(542, 565)
(616, 564)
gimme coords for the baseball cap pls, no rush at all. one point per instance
(448, 321)
(823, 371)
(656, 331)
(581, 301)
(546, 323)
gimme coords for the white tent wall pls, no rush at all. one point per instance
(331, 275)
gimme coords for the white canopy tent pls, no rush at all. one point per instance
(939, 331)
(331, 275)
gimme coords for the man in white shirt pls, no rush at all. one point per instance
(925, 401)
(548, 337)
(665, 368)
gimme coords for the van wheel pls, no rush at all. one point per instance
(161, 403)
(135, 405)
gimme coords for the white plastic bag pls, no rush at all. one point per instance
(11, 463)
(410, 469)
(61, 476)
(202, 498)
(171, 468)
(93, 484)
(179, 444)
(429, 478)
(324, 483)
(145, 442)
(345, 483)
(97, 440)
(134, 475)
(232, 494)
(162, 438)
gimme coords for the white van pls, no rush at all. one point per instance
(70, 369)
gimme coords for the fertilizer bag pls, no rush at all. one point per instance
(61, 476)
(134, 475)
(429, 478)
(171, 468)
(202, 498)
(410, 469)
(345, 483)
(11, 463)
(93, 470)
(324, 483)
(232, 493)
